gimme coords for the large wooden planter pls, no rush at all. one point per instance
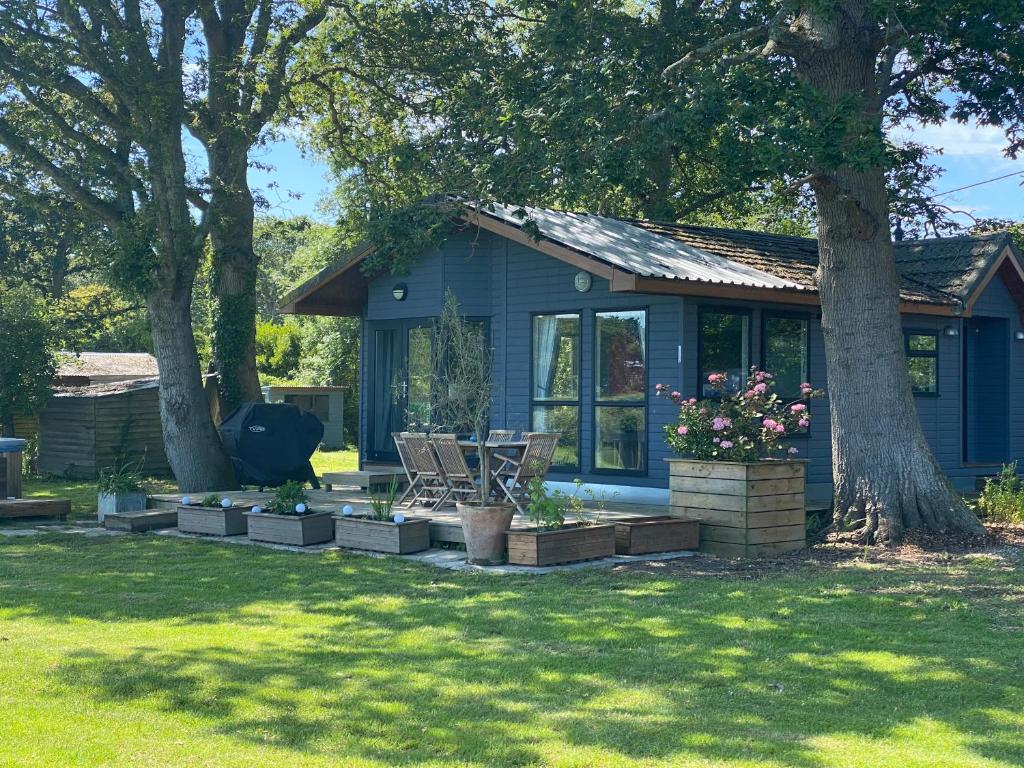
(296, 530)
(661, 533)
(567, 545)
(411, 535)
(213, 521)
(745, 510)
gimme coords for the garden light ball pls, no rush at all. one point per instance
(186, 500)
(399, 518)
(225, 502)
(300, 507)
(257, 510)
(347, 510)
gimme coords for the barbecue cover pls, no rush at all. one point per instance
(270, 443)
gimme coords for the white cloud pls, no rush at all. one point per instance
(958, 139)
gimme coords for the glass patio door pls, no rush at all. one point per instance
(399, 385)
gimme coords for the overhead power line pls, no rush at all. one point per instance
(977, 184)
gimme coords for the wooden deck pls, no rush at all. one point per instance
(445, 527)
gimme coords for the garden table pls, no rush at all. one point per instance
(490, 449)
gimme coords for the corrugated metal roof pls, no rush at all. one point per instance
(935, 271)
(635, 249)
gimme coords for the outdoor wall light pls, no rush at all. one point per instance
(400, 291)
(1018, 335)
(950, 330)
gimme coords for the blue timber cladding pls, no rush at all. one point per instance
(508, 282)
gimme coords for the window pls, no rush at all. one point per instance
(923, 362)
(784, 342)
(318, 405)
(555, 389)
(620, 391)
(724, 344)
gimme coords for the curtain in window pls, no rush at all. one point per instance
(545, 340)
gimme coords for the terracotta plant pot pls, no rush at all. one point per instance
(484, 528)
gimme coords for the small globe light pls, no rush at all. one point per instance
(399, 518)
(186, 500)
(347, 510)
(225, 502)
(300, 507)
(257, 510)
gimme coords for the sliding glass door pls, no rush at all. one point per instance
(399, 384)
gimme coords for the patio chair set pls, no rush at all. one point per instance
(439, 473)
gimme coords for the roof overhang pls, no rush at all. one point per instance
(1008, 267)
(338, 290)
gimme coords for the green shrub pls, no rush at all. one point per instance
(287, 498)
(210, 500)
(122, 478)
(1002, 499)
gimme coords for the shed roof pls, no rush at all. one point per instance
(108, 366)
(646, 256)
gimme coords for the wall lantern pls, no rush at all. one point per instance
(582, 281)
(1018, 335)
(400, 291)
(950, 330)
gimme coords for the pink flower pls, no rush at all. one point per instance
(804, 423)
(805, 388)
(770, 423)
(760, 388)
(797, 407)
(714, 378)
(793, 451)
(682, 430)
(659, 387)
(749, 394)
(725, 444)
(674, 394)
(719, 423)
(692, 400)
(759, 375)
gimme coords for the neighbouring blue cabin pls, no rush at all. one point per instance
(587, 318)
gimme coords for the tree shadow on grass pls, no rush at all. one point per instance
(375, 658)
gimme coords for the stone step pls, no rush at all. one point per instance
(139, 522)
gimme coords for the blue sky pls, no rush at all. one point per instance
(970, 154)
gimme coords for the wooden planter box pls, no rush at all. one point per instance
(213, 521)
(660, 533)
(567, 545)
(297, 530)
(745, 510)
(411, 535)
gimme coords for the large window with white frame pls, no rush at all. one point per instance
(620, 391)
(555, 385)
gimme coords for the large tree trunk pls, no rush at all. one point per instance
(886, 479)
(193, 447)
(235, 270)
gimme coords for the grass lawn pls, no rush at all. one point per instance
(153, 651)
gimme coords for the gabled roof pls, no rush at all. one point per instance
(941, 275)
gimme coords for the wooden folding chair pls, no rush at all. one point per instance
(514, 474)
(501, 436)
(430, 484)
(457, 474)
(407, 464)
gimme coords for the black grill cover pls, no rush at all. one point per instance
(270, 443)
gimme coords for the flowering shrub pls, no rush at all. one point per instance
(748, 425)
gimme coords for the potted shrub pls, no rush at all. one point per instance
(738, 475)
(119, 489)
(462, 378)
(382, 530)
(213, 515)
(551, 541)
(288, 519)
